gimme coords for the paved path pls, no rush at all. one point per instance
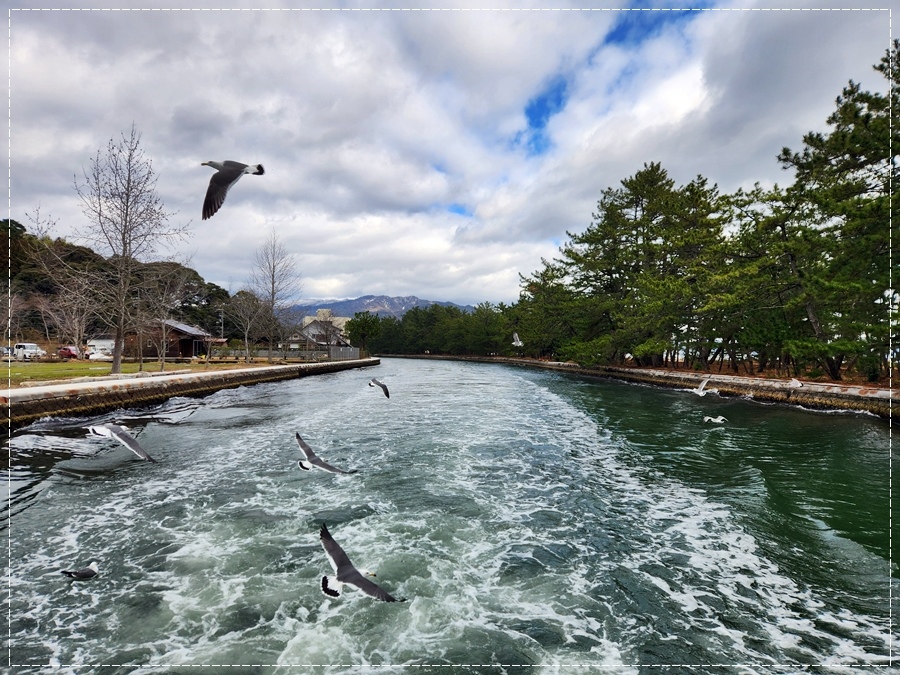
(27, 404)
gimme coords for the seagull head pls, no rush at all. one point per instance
(366, 573)
(94, 566)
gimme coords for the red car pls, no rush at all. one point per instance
(68, 352)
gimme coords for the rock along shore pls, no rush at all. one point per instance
(816, 395)
(25, 405)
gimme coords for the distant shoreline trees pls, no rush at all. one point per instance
(794, 279)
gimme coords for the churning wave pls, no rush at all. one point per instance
(527, 531)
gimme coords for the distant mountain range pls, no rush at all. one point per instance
(382, 305)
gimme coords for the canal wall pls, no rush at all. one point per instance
(815, 395)
(25, 405)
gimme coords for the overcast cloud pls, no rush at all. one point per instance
(429, 153)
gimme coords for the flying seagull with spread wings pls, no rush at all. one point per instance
(375, 383)
(346, 573)
(223, 180)
(701, 390)
(312, 459)
(120, 434)
(84, 573)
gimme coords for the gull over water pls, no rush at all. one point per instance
(375, 383)
(346, 573)
(311, 459)
(120, 434)
(83, 573)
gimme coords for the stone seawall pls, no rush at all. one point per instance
(28, 404)
(817, 395)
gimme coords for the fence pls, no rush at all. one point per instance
(307, 355)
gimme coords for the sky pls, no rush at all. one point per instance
(436, 152)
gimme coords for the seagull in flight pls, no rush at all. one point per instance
(701, 390)
(375, 383)
(717, 420)
(312, 459)
(346, 573)
(223, 180)
(516, 341)
(120, 434)
(84, 573)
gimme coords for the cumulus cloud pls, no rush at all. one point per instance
(426, 153)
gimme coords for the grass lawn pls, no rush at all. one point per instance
(25, 373)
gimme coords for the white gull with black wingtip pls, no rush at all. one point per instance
(375, 383)
(84, 573)
(223, 180)
(120, 434)
(312, 459)
(346, 573)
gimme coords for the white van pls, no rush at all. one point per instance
(25, 351)
(98, 345)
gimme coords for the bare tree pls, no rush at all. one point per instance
(14, 310)
(245, 310)
(275, 280)
(71, 310)
(71, 303)
(127, 221)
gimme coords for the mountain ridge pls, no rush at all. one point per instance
(382, 305)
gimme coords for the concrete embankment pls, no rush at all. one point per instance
(817, 395)
(28, 404)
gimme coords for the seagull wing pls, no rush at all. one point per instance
(368, 587)
(346, 573)
(129, 442)
(382, 385)
(219, 185)
(121, 435)
(314, 459)
(335, 553)
(702, 386)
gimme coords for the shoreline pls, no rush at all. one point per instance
(25, 405)
(878, 401)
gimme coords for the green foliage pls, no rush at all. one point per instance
(363, 327)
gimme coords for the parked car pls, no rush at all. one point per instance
(6, 352)
(25, 351)
(101, 355)
(68, 352)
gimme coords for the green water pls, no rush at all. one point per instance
(535, 521)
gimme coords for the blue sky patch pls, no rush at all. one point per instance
(538, 112)
(460, 209)
(640, 22)
(542, 107)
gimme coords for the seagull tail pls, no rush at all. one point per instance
(331, 586)
(306, 466)
(69, 573)
(258, 170)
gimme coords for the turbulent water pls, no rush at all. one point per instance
(534, 521)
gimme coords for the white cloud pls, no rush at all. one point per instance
(370, 124)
